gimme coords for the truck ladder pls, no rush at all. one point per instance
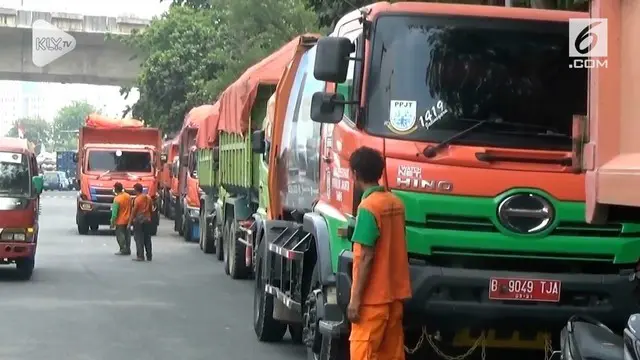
(287, 250)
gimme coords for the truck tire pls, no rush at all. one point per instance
(237, 266)
(219, 241)
(83, 226)
(226, 246)
(319, 347)
(25, 268)
(267, 329)
(203, 228)
(177, 218)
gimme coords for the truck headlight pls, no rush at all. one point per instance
(13, 236)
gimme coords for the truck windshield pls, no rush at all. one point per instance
(119, 161)
(463, 70)
(14, 175)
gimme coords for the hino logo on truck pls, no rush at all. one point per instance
(526, 213)
(410, 177)
(433, 185)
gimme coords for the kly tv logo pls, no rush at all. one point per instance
(49, 43)
(588, 45)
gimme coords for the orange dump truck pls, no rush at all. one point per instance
(611, 151)
(20, 188)
(169, 153)
(187, 208)
(110, 153)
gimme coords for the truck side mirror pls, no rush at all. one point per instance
(163, 158)
(332, 59)
(75, 157)
(327, 108)
(257, 142)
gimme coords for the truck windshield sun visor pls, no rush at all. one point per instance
(467, 69)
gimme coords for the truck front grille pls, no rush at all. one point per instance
(481, 224)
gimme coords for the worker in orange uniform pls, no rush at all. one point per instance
(120, 212)
(141, 220)
(380, 265)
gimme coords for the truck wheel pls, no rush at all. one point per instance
(266, 327)
(25, 267)
(218, 236)
(93, 227)
(177, 219)
(180, 224)
(319, 347)
(237, 266)
(226, 245)
(83, 227)
(203, 229)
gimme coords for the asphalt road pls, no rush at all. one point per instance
(84, 303)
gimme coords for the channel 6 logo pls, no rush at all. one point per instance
(588, 38)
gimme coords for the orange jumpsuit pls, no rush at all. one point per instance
(380, 224)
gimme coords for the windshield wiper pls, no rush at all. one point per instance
(104, 173)
(431, 150)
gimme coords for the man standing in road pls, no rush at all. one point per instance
(120, 213)
(380, 265)
(141, 220)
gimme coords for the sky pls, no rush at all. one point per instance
(63, 94)
(141, 8)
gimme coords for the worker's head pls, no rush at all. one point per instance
(117, 188)
(137, 188)
(367, 165)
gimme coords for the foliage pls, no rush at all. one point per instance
(36, 130)
(244, 43)
(69, 119)
(179, 59)
(195, 4)
(192, 52)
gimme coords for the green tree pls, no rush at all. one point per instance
(66, 123)
(36, 130)
(274, 23)
(196, 4)
(193, 51)
(179, 59)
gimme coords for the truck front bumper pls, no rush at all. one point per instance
(95, 213)
(455, 298)
(10, 251)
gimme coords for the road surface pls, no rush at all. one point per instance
(84, 303)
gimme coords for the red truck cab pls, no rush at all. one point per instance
(20, 189)
(187, 210)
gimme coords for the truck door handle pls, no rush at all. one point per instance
(327, 159)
